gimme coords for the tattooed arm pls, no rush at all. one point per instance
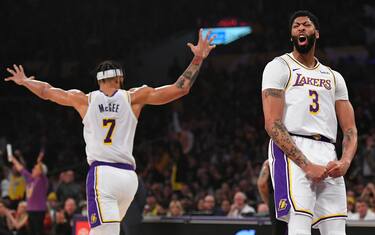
(345, 115)
(262, 182)
(273, 108)
(168, 93)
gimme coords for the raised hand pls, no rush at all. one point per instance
(18, 73)
(337, 168)
(203, 48)
(40, 156)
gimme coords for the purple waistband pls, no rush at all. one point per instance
(124, 166)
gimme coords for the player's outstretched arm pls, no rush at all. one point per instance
(273, 108)
(345, 115)
(168, 93)
(43, 90)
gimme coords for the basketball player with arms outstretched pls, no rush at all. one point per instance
(302, 100)
(110, 117)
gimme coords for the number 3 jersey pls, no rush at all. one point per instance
(109, 128)
(310, 95)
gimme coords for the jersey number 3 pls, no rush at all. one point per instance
(110, 124)
(314, 107)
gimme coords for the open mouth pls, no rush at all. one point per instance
(302, 40)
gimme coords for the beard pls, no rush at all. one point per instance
(305, 48)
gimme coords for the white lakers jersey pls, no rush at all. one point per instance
(109, 128)
(310, 95)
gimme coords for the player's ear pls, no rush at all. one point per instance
(317, 35)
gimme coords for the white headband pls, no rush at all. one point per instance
(108, 74)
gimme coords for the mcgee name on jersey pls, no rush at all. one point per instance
(111, 107)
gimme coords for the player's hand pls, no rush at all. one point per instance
(203, 48)
(18, 75)
(315, 173)
(337, 168)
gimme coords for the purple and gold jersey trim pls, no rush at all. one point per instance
(328, 217)
(290, 73)
(304, 66)
(283, 191)
(282, 201)
(95, 215)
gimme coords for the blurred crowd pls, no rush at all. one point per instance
(197, 156)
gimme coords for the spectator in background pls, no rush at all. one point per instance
(362, 211)
(4, 184)
(64, 218)
(67, 187)
(50, 218)
(152, 207)
(17, 188)
(239, 207)
(4, 224)
(209, 205)
(225, 207)
(175, 209)
(18, 222)
(368, 192)
(36, 192)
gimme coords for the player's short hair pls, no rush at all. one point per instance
(300, 13)
(108, 65)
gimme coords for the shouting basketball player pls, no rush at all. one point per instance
(301, 99)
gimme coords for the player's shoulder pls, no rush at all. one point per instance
(135, 89)
(337, 75)
(277, 65)
(279, 61)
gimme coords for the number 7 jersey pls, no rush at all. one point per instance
(310, 95)
(109, 128)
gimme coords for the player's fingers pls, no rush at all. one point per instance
(32, 77)
(11, 71)
(212, 39)
(200, 35)
(207, 36)
(7, 79)
(212, 47)
(331, 165)
(16, 68)
(190, 45)
(21, 69)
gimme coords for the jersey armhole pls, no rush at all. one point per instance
(127, 96)
(334, 77)
(290, 74)
(89, 98)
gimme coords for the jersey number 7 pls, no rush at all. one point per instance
(111, 123)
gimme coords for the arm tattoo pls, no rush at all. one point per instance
(349, 143)
(191, 73)
(281, 137)
(348, 136)
(273, 92)
(180, 82)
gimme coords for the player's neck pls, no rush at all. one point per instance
(108, 89)
(307, 59)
